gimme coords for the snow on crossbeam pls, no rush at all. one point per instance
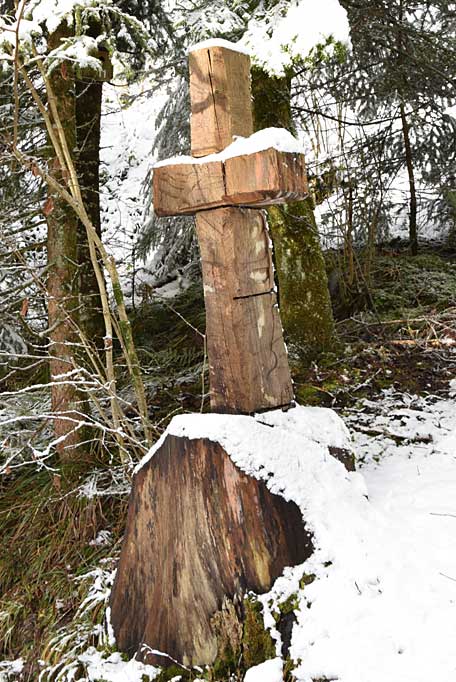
(265, 169)
(279, 139)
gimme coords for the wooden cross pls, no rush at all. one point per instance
(248, 364)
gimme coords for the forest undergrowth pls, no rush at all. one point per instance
(61, 539)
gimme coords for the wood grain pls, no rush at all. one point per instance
(220, 98)
(186, 188)
(248, 362)
(260, 179)
(198, 530)
(266, 177)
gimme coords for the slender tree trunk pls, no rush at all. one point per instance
(413, 233)
(88, 119)
(62, 283)
(348, 242)
(403, 79)
(304, 299)
(450, 196)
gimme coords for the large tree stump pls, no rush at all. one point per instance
(198, 531)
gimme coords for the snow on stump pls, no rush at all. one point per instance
(210, 519)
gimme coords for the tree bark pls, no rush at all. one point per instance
(199, 533)
(88, 119)
(413, 233)
(304, 300)
(450, 196)
(62, 283)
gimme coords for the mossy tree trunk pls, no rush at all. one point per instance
(67, 400)
(305, 304)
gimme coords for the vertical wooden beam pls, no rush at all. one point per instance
(248, 363)
(220, 98)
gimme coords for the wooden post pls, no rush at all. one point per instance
(220, 98)
(248, 364)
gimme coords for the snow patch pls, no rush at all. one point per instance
(10, 668)
(103, 538)
(269, 671)
(219, 42)
(51, 13)
(383, 595)
(113, 668)
(127, 134)
(279, 139)
(447, 444)
(263, 442)
(277, 39)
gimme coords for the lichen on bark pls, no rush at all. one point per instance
(304, 299)
(68, 402)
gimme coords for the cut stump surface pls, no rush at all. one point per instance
(198, 531)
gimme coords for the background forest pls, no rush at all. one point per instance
(102, 323)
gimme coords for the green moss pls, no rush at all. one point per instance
(241, 644)
(289, 605)
(288, 668)
(174, 671)
(225, 665)
(407, 285)
(307, 579)
(400, 285)
(257, 644)
(308, 395)
(304, 300)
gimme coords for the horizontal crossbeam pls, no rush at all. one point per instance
(252, 180)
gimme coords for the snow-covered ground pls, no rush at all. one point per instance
(383, 603)
(385, 608)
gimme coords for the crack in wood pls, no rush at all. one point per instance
(259, 293)
(213, 96)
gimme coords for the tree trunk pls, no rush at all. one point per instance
(88, 118)
(450, 196)
(411, 177)
(62, 283)
(304, 300)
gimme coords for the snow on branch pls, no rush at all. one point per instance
(292, 30)
(219, 42)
